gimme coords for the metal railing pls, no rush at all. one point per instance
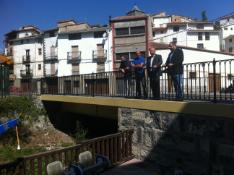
(51, 59)
(117, 147)
(74, 57)
(206, 81)
(26, 73)
(99, 56)
(26, 59)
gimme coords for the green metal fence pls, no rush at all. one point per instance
(4, 80)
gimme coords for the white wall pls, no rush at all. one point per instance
(48, 43)
(19, 50)
(86, 45)
(194, 56)
(161, 22)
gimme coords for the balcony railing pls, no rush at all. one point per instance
(74, 57)
(99, 56)
(51, 73)
(26, 59)
(51, 59)
(26, 73)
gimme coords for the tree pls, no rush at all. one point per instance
(203, 15)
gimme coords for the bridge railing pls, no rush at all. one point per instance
(208, 81)
(117, 147)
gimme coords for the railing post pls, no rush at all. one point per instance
(214, 79)
(93, 84)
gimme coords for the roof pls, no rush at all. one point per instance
(67, 20)
(192, 22)
(230, 15)
(165, 46)
(201, 30)
(125, 18)
(228, 37)
(50, 30)
(94, 29)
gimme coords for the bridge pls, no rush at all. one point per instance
(198, 128)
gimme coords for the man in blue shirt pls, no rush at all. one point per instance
(138, 64)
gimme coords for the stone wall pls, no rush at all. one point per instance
(197, 143)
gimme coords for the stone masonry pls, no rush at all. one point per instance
(199, 144)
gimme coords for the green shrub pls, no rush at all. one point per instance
(21, 107)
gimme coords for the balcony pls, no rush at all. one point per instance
(26, 59)
(99, 56)
(74, 57)
(51, 59)
(51, 73)
(26, 74)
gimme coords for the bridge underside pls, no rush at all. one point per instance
(107, 107)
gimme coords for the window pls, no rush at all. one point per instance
(192, 75)
(21, 42)
(207, 36)
(231, 28)
(230, 40)
(74, 36)
(76, 83)
(174, 40)
(200, 46)
(225, 28)
(52, 34)
(98, 34)
(39, 51)
(26, 34)
(137, 30)
(199, 36)
(39, 66)
(119, 55)
(230, 49)
(200, 26)
(122, 31)
(176, 29)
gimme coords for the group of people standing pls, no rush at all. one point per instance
(153, 65)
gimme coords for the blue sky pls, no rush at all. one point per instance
(45, 13)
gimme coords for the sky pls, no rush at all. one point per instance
(46, 13)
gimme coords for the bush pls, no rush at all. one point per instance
(19, 107)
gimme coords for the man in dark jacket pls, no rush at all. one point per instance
(153, 66)
(125, 68)
(174, 65)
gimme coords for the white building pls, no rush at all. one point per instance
(226, 28)
(200, 64)
(26, 49)
(229, 44)
(82, 48)
(185, 32)
(50, 52)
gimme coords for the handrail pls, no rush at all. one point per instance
(117, 147)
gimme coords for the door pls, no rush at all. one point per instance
(100, 51)
(52, 51)
(27, 54)
(211, 82)
(67, 86)
(75, 51)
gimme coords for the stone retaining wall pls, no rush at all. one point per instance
(195, 142)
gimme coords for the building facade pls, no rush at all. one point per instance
(131, 32)
(226, 24)
(185, 32)
(25, 47)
